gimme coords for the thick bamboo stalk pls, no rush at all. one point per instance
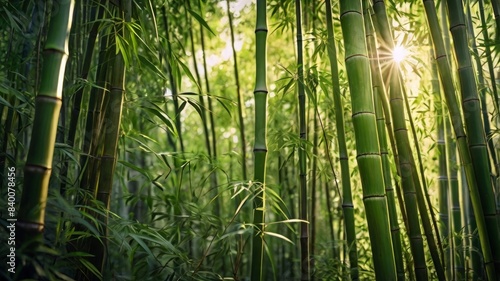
(260, 146)
(458, 128)
(347, 203)
(379, 94)
(31, 217)
(409, 178)
(367, 145)
(474, 125)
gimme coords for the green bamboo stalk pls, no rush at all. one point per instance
(406, 163)
(260, 146)
(96, 16)
(473, 124)
(312, 84)
(347, 202)
(482, 85)
(379, 95)
(461, 139)
(75, 112)
(172, 82)
(111, 133)
(443, 178)
(491, 147)
(303, 206)
(198, 80)
(455, 224)
(489, 60)
(494, 94)
(390, 133)
(213, 176)
(239, 97)
(421, 187)
(367, 146)
(93, 124)
(457, 249)
(496, 13)
(31, 216)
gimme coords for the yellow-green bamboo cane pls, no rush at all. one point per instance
(347, 204)
(367, 145)
(458, 128)
(260, 146)
(47, 106)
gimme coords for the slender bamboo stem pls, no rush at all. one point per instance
(203, 108)
(347, 202)
(260, 146)
(241, 113)
(303, 206)
(213, 176)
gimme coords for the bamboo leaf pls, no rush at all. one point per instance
(200, 20)
(146, 62)
(282, 237)
(135, 168)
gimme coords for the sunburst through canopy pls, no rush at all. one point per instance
(399, 53)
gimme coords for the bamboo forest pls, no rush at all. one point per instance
(250, 140)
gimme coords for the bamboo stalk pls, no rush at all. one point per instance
(260, 146)
(367, 146)
(347, 202)
(461, 138)
(243, 141)
(379, 95)
(473, 124)
(409, 178)
(31, 216)
(303, 206)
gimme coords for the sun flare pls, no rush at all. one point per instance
(399, 53)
